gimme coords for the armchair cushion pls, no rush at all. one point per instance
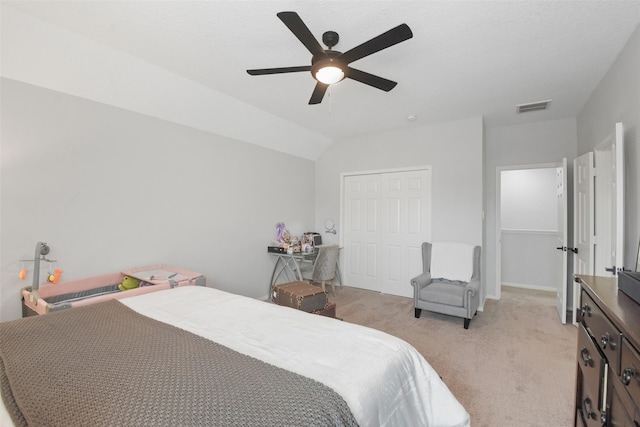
(444, 292)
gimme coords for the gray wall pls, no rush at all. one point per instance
(617, 99)
(452, 149)
(110, 189)
(61, 184)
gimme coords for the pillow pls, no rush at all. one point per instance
(452, 260)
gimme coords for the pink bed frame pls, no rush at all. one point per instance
(160, 276)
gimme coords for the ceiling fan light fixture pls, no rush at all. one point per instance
(330, 66)
(329, 74)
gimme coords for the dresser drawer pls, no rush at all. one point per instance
(591, 398)
(606, 335)
(630, 371)
(622, 412)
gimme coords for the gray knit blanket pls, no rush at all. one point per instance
(106, 365)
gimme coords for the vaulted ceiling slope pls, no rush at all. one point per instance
(186, 61)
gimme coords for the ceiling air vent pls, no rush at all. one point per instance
(533, 106)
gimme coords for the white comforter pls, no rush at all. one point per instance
(383, 379)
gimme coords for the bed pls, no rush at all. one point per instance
(345, 374)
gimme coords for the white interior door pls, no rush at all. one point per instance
(562, 242)
(599, 210)
(618, 199)
(583, 223)
(609, 204)
(387, 216)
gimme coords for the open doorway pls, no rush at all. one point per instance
(527, 228)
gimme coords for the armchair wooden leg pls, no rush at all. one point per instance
(466, 323)
(418, 311)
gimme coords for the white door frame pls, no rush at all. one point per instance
(498, 242)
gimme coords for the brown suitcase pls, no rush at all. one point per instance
(329, 310)
(300, 295)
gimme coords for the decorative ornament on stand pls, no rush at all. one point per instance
(41, 252)
(23, 272)
(55, 276)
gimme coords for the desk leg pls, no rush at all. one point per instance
(297, 271)
(273, 277)
(285, 266)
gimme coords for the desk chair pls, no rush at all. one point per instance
(450, 282)
(323, 269)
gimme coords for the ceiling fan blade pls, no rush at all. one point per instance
(301, 31)
(394, 36)
(370, 79)
(318, 93)
(280, 70)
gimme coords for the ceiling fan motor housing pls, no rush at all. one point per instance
(330, 39)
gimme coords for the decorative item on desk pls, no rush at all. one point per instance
(295, 244)
(315, 239)
(283, 235)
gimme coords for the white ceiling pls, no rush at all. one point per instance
(466, 59)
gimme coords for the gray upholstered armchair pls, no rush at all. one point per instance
(450, 282)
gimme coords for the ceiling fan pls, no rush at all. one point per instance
(330, 66)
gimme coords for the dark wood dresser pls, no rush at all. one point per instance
(608, 372)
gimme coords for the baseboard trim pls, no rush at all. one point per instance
(527, 286)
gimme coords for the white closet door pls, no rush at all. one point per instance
(387, 217)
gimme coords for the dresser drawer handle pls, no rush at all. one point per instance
(606, 339)
(587, 408)
(586, 357)
(585, 310)
(627, 375)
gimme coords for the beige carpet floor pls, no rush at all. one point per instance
(514, 366)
